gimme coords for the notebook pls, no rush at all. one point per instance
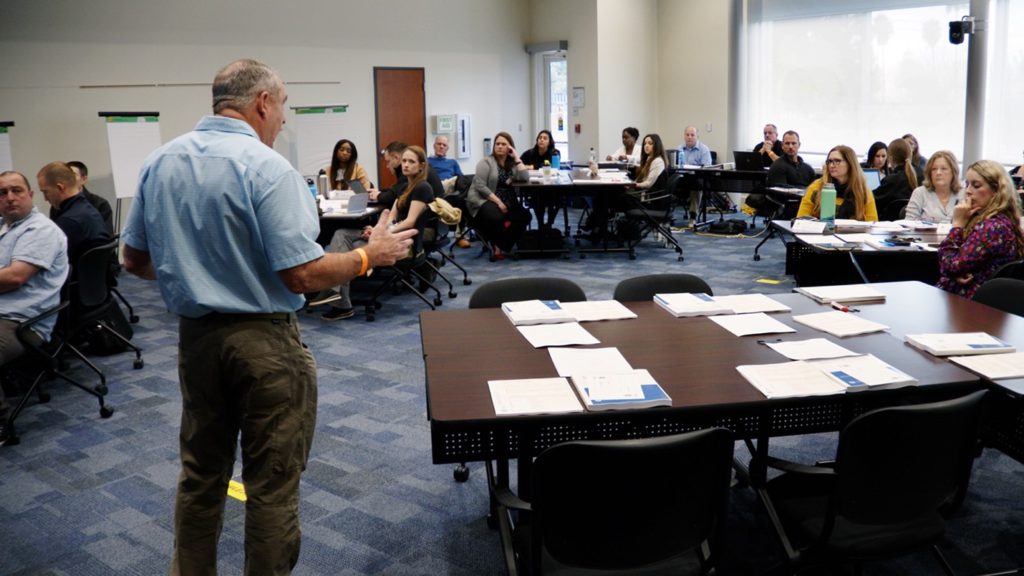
(748, 160)
(873, 178)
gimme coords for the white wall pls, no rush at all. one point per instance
(628, 69)
(693, 65)
(472, 52)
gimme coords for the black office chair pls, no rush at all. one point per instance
(898, 472)
(652, 211)
(1006, 294)
(642, 288)
(94, 315)
(646, 506)
(1013, 269)
(895, 210)
(114, 270)
(435, 238)
(494, 294)
(41, 361)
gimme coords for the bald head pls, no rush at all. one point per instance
(690, 136)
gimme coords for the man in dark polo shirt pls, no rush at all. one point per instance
(790, 170)
(98, 202)
(76, 217)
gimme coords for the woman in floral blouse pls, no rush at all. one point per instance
(986, 230)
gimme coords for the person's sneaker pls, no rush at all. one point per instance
(325, 297)
(338, 314)
(463, 243)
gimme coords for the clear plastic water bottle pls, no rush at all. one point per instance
(828, 204)
(592, 162)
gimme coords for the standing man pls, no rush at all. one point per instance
(33, 267)
(693, 152)
(442, 165)
(770, 149)
(76, 217)
(790, 169)
(228, 229)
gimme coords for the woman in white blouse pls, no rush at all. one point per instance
(629, 152)
(652, 162)
(934, 201)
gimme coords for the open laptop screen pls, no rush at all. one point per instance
(873, 177)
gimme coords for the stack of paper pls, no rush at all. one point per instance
(635, 389)
(749, 303)
(819, 377)
(684, 305)
(595, 310)
(840, 324)
(852, 225)
(536, 312)
(959, 343)
(576, 361)
(750, 324)
(994, 366)
(842, 293)
(533, 396)
(562, 334)
(808, 227)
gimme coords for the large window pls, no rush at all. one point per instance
(1004, 111)
(856, 72)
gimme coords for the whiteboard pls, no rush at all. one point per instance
(317, 130)
(131, 139)
(5, 150)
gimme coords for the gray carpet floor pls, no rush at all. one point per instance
(86, 496)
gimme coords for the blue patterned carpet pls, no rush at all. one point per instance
(85, 496)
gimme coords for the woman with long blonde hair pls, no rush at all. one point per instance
(853, 198)
(986, 230)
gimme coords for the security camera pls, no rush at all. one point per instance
(959, 28)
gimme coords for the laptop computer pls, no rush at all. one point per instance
(747, 160)
(357, 203)
(873, 178)
(356, 186)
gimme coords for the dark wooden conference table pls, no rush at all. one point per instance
(694, 360)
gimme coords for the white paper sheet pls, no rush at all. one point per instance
(787, 379)
(749, 324)
(564, 334)
(840, 324)
(572, 361)
(866, 370)
(533, 396)
(812, 349)
(597, 310)
(750, 303)
(994, 366)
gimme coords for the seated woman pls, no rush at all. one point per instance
(344, 167)
(542, 153)
(630, 151)
(493, 207)
(652, 163)
(986, 230)
(935, 200)
(916, 158)
(405, 214)
(877, 158)
(902, 179)
(853, 199)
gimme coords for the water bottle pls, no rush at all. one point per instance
(323, 185)
(592, 162)
(828, 205)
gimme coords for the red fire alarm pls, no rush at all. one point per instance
(578, 128)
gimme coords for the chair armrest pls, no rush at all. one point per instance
(506, 498)
(26, 325)
(797, 468)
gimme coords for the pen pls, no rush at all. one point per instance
(840, 307)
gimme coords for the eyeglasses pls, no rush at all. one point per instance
(834, 161)
(16, 190)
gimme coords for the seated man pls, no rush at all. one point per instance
(693, 152)
(77, 218)
(33, 267)
(440, 163)
(98, 202)
(790, 170)
(770, 149)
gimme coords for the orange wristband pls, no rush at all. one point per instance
(365, 261)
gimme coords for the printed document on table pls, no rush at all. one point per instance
(808, 227)
(596, 310)
(824, 240)
(959, 343)
(840, 324)
(845, 293)
(813, 349)
(856, 238)
(530, 312)
(533, 396)
(575, 361)
(787, 379)
(750, 303)
(564, 334)
(749, 324)
(994, 366)
(866, 370)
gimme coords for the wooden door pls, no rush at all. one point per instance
(401, 110)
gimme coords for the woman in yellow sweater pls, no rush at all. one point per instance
(853, 198)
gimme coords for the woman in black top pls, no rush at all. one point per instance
(536, 158)
(903, 177)
(877, 159)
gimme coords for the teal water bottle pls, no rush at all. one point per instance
(828, 204)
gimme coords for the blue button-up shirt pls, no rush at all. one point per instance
(35, 240)
(444, 167)
(220, 213)
(698, 155)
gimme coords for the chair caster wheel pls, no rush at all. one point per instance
(757, 257)
(680, 259)
(44, 398)
(438, 301)
(452, 294)
(461, 473)
(101, 389)
(467, 282)
(133, 319)
(138, 364)
(106, 412)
